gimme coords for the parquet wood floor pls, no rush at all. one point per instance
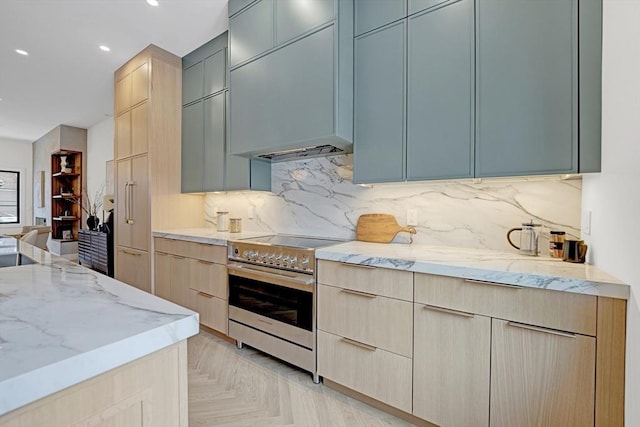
(231, 387)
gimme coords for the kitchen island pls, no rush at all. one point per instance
(79, 348)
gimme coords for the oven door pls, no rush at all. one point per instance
(279, 303)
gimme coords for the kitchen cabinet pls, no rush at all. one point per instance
(451, 366)
(371, 14)
(95, 251)
(296, 94)
(364, 332)
(147, 161)
(492, 90)
(379, 114)
(526, 102)
(236, 6)
(206, 163)
(194, 275)
(541, 376)
(421, 128)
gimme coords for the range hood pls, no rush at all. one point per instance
(304, 153)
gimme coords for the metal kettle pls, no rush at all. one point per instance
(528, 238)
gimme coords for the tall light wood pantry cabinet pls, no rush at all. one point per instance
(147, 154)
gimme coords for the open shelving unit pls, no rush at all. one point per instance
(66, 194)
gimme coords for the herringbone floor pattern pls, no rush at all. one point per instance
(231, 387)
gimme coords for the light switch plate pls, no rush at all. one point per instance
(250, 212)
(586, 223)
(412, 217)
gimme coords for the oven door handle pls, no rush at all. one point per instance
(290, 281)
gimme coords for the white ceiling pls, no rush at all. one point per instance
(67, 79)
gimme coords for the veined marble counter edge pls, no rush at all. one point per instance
(481, 265)
(27, 386)
(207, 235)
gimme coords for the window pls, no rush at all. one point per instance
(9, 197)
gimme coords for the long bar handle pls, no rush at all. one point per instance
(502, 285)
(359, 344)
(368, 267)
(131, 253)
(126, 203)
(131, 219)
(543, 330)
(449, 311)
(358, 293)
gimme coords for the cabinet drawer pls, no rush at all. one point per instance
(202, 251)
(374, 372)
(208, 277)
(382, 322)
(379, 281)
(213, 311)
(551, 309)
(171, 246)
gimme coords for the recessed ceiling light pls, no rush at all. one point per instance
(22, 52)
(105, 48)
(152, 2)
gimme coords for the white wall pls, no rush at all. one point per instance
(613, 196)
(17, 155)
(99, 151)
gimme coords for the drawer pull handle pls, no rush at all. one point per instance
(205, 262)
(202, 294)
(264, 321)
(502, 285)
(449, 311)
(359, 344)
(359, 294)
(368, 267)
(131, 253)
(177, 257)
(539, 329)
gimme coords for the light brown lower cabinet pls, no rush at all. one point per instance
(451, 364)
(194, 275)
(132, 267)
(541, 377)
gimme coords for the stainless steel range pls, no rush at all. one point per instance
(272, 296)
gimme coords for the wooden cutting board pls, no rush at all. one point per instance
(379, 228)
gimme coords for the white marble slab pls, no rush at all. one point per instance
(207, 235)
(481, 264)
(61, 324)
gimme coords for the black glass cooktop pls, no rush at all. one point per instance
(300, 242)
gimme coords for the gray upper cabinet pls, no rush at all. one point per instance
(192, 147)
(440, 129)
(236, 6)
(526, 102)
(295, 17)
(379, 149)
(371, 14)
(206, 164)
(416, 6)
(251, 32)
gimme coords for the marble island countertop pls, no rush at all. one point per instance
(61, 324)
(480, 264)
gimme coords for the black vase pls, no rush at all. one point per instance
(92, 222)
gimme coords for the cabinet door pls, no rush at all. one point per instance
(123, 93)
(440, 93)
(132, 267)
(162, 275)
(139, 129)
(416, 6)
(140, 84)
(527, 82)
(379, 122)
(236, 5)
(451, 363)
(284, 97)
(123, 201)
(208, 277)
(251, 32)
(215, 72)
(294, 18)
(372, 14)
(192, 81)
(541, 377)
(192, 147)
(214, 143)
(123, 135)
(140, 216)
(179, 278)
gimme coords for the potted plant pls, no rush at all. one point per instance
(91, 206)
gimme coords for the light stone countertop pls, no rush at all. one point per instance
(207, 235)
(479, 264)
(61, 324)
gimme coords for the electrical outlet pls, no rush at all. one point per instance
(586, 223)
(412, 217)
(250, 212)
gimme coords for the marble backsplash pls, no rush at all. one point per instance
(316, 197)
